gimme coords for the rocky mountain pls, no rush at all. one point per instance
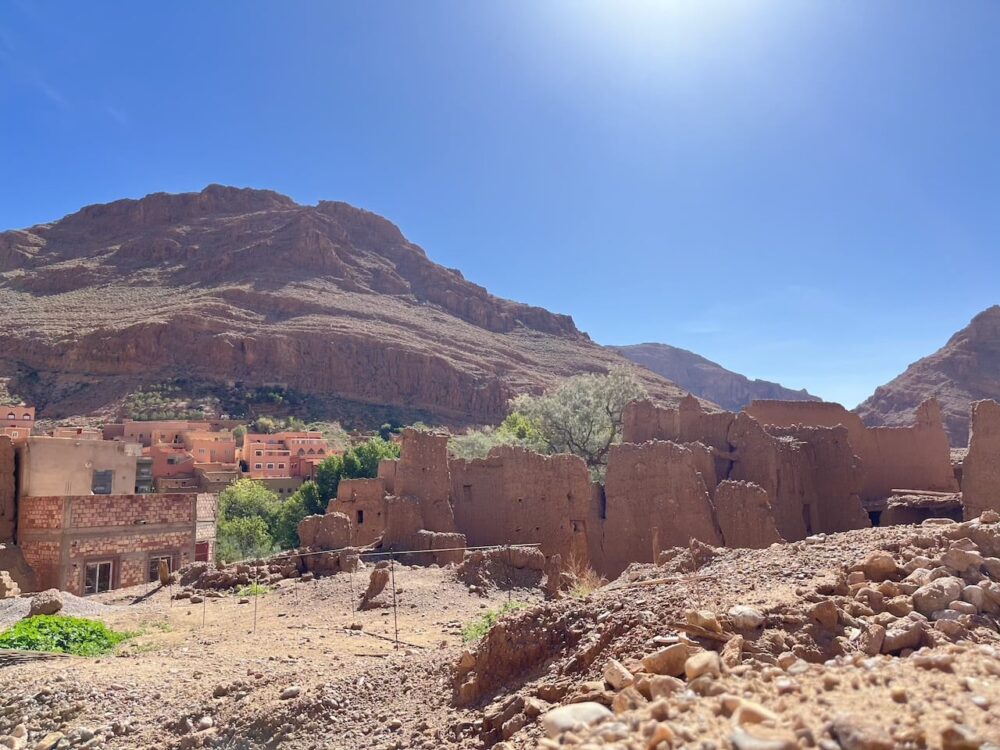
(706, 379)
(246, 286)
(964, 370)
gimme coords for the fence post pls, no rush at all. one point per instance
(392, 576)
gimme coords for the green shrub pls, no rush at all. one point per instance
(252, 589)
(64, 635)
(479, 627)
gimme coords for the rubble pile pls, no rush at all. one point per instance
(894, 646)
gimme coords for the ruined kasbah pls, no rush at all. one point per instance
(795, 547)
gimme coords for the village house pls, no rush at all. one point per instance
(17, 422)
(283, 454)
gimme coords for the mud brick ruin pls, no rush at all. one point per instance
(776, 471)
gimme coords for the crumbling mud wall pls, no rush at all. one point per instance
(743, 510)
(8, 508)
(655, 498)
(515, 496)
(331, 531)
(981, 470)
(917, 457)
(833, 480)
(363, 502)
(422, 474)
(780, 467)
(688, 423)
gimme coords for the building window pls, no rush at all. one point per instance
(14, 433)
(259, 453)
(281, 466)
(360, 517)
(258, 466)
(26, 417)
(101, 481)
(98, 577)
(270, 466)
(11, 415)
(154, 566)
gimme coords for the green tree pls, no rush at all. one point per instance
(583, 415)
(242, 538)
(246, 498)
(357, 463)
(328, 474)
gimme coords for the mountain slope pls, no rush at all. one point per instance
(964, 370)
(235, 285)
(705, 378)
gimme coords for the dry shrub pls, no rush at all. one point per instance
(584, 579)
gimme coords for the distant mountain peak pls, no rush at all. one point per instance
(706, 379)
(964, 370)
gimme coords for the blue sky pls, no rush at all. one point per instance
(804, 191)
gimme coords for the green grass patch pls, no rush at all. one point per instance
(252, 589)
(479, 627)
(63, 635)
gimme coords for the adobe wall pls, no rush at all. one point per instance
(515, 496)
(422, 474)
(655, 496)
(743, 510)
(917, 457)
(981, 470)
(780, 467)
(362, 501)
(833, 478)
(643, 421)
(8, 508)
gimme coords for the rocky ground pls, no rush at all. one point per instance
(880, 638)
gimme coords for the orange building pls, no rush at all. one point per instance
(283, 454)
(210, 447)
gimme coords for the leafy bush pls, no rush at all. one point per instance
(516, 429)
(252, 589)
(478, 628)
(305, 502)
(248, 521)
(358, 462)
(64, 635)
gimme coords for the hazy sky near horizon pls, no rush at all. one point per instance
(803, 191)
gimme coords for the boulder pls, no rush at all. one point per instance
(46, 603)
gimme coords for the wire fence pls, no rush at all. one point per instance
(258, 584)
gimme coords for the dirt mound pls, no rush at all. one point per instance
(782, 638)
(506, 568)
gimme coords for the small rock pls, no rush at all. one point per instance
(668, 661)
(565, 718)
(745, 618)
(705, 619)
(616, 675)
(205, 722)
(292, 691)
(763, 738)
(879, 566)
(855, 734)
(702, 663)
(960, 737)
(49, 741)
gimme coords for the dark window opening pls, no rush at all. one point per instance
(101, 481)
(875, 516)
(361, 517)
(602, 505)
(807, 518)
(97, 577)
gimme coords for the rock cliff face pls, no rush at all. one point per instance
(245, 285)
(706, 379)
(965, 370)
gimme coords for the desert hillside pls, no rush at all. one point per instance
(246, 286)
(706, 379)
(964, 370)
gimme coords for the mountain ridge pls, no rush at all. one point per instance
(707, 379)
(236, 284)
(964, 370)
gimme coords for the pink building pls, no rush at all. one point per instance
(283, 454)
(16, 422)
